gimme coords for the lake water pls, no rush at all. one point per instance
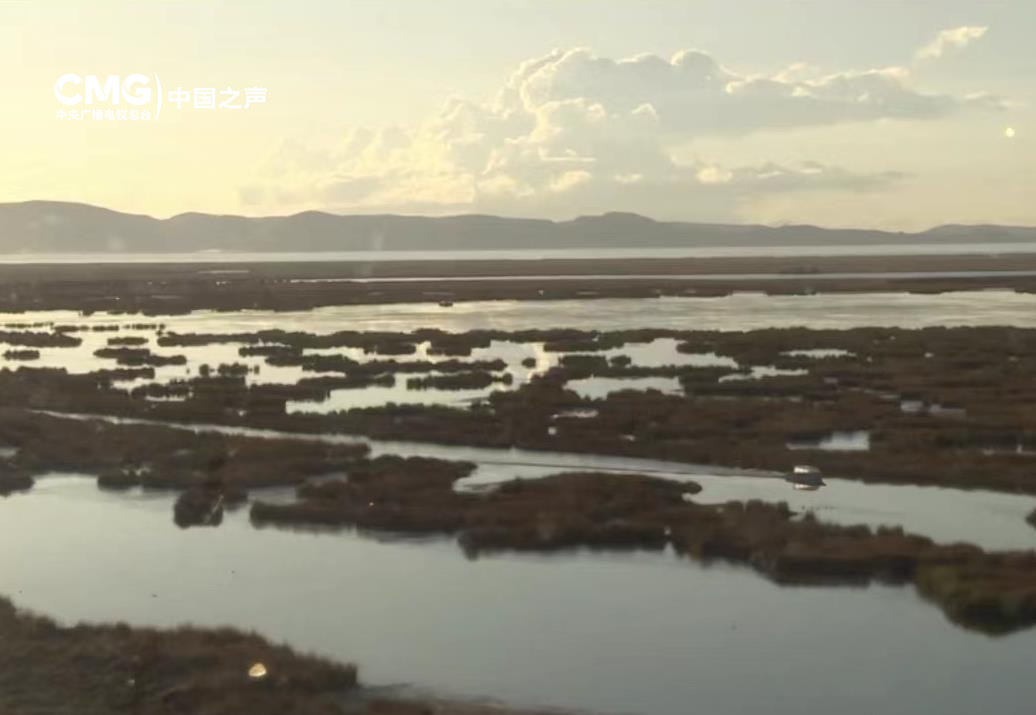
(644, 633)
(739, 311)
(887, 249)
(657, 353)
(992, 520)
(598, 388)
(694, 277)
(854, 441)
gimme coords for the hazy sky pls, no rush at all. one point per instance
(836, 112)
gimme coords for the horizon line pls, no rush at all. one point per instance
(602, 215)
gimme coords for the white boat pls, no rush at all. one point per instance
(805, 478)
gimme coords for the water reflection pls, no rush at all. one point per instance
(992, 520)
(759, 372)
(819, 353)
(523, 362)
(665, 636)
(598, 388)
(740, 311)
(846, 441)
(898, 248)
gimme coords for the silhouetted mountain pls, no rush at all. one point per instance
(56, 227)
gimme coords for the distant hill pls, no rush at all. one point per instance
(56, 227)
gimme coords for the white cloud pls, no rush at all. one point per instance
(691, 93)
(714, 175)
(570, 180)
(956, 38)
(572, 132)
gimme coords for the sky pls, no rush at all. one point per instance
(893, 115)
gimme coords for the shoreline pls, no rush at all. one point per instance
(390, 266)
(179, 288)
(116, 668)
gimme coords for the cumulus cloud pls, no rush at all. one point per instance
(692, 93)
(573, 132)
(953, 39)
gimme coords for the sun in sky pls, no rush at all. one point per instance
(1009, 132)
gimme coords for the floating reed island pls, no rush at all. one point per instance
(341, 486)
(119, 670)
(986, 591)
(935, 407)
(943, 407)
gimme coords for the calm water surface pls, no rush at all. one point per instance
(634, 633)
(887, 249)
(740, 311)
(992, 520)
(639, 633)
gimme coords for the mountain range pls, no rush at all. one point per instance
(49, 227)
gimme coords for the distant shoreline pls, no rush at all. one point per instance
(171, 288)
(447, 266)
(805, 250)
